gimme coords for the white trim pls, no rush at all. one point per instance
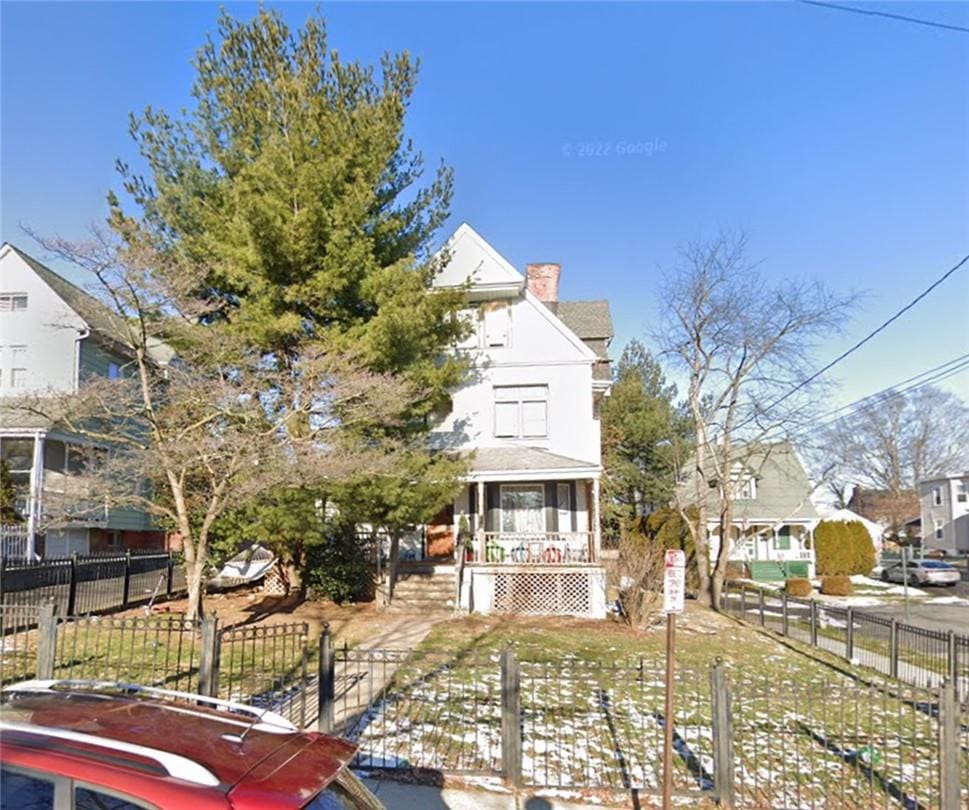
(560, 326)
(555, 474)
(177, 766)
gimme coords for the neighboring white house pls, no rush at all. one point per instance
(48, 346)
(945, 513)
(774, 516)
(529, 417)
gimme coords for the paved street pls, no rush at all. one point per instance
(932, 616)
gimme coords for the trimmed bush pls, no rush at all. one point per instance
(836, 586)
(798, 586)
(843, 548)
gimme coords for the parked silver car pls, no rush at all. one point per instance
(922, 572)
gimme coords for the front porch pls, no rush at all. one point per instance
(771, 550)
(524, 535)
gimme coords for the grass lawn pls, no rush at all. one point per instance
(804, 733)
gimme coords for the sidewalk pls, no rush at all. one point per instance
(400, 796)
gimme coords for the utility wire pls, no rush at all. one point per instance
(892, 389)
(867, 337)
(872, 13)
(864, 404)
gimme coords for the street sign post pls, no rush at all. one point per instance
(674, 591)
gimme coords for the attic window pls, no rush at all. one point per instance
(744, 483)
(13, 302)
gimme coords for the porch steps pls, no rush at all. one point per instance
(771, 571)
(423, 589)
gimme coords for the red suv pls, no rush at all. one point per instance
(109, 746)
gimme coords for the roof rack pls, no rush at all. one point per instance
(260, 719)
(174, 765)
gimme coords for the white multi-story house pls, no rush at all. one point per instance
(945, 513)
(528, 417)
(48, 346)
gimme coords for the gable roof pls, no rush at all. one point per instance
(99, 318)
(783, 490)
(588, 319)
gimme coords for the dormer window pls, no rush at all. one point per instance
(744, 484)
(13, 302)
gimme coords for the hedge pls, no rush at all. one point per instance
(798, 586)
(843, 548)
(836, 586)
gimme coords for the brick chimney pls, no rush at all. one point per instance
(543, 283)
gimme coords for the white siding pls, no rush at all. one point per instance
(47, 329)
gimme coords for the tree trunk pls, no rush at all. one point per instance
(195, 581)
(393, 565)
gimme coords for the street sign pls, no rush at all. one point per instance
(674, 586)
(674, 581)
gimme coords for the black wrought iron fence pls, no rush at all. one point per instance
(266, 665)
(915, 655)
(94, 584)
(744, 740)
(18, 654)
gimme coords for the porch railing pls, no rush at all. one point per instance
(776, 555)
(543, 548)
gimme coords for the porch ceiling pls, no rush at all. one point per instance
(527, 464)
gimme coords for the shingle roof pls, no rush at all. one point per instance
(107, 323)
(588, 319)
(513, 459)
(783, 490)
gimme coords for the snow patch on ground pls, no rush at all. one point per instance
(947, 600)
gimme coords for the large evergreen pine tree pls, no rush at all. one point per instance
(291, 182)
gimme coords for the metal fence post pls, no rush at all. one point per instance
(171, 574)
(785, 621)
(723, 765)
(72, 587)
(814, 623)
(893, 648)
(760, 605)
(126, 589)
(850, 635)
(743, 601)
(952, 671)
(46, 641)
(209, 656)
(327, 682)
(948, 745)
(511, 732)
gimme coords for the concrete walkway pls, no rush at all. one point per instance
(361, 679)
(400, 796)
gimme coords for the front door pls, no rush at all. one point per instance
(440, 533)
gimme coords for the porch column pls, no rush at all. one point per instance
(35, 494)
(479, 528)
(596, 527)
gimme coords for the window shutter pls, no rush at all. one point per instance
(497, 325)
(534, 419)
(506, 419)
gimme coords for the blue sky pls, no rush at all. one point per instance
(600, 136)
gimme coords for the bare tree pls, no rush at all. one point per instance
(898, 440)
(744, 344)
(198, 421)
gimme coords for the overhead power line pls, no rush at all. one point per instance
(871, 399)
(872, 13)
(867, 337)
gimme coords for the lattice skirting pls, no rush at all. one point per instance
(540, 592)
(273, 584)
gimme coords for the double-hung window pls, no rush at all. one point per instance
(13, 302)
(521, 411)
(937, 496)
